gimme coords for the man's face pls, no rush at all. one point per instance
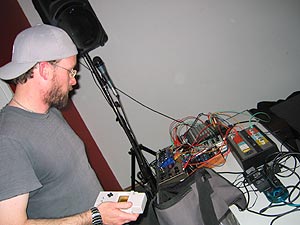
(62, 82)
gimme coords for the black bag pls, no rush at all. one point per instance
(201, 199)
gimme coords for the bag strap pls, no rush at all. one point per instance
(204, 191)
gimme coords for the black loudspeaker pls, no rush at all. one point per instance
(77, 18)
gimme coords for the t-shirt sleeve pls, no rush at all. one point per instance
(16, 172)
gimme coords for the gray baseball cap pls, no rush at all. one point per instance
(37, 44)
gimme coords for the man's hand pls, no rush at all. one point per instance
(112, 214)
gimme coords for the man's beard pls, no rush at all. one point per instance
(56, 98)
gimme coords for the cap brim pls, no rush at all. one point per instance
(12, 70)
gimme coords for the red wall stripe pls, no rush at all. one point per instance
(12, 21)
(97, 161)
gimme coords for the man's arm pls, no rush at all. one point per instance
(13, 212)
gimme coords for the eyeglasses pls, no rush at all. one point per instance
(72, 72)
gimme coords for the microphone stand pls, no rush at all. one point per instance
(136, 150)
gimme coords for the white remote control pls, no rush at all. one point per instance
(138, 199)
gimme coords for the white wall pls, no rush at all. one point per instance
(5, 93)
(183, 58)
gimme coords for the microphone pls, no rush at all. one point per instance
(99, 64)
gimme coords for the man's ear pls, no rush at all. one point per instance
(45, 70)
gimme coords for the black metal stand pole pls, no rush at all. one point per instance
(132, 153)
(136, 152)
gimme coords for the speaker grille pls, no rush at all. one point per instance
(77, 18)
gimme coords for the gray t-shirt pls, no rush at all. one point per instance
(40, 154)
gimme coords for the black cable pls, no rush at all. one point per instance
(98, 85)
(153, 110)
(278, 217)
(248, 195)
(95, 80)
